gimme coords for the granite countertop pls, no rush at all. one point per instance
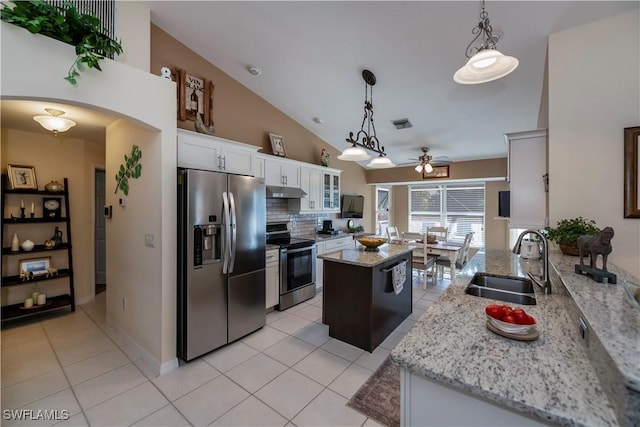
(364, 258)
(617, 326)
(323, 237)
(550, 378)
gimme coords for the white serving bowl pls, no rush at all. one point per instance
(510, 328)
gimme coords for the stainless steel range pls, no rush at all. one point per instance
(297, 265)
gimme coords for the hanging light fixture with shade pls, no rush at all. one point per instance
(485, 63)
(54, 122)
(366, 139)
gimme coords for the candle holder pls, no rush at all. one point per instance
(32, 215)
(22, 213)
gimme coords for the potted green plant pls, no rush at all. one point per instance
(567, 231)
(84, 32)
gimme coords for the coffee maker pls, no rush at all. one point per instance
(327, 227)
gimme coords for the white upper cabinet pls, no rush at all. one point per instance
(281, 173)
(311, 183)
(527, 175)
(331, 191)
(200, 151)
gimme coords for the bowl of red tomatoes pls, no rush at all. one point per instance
(509, 319)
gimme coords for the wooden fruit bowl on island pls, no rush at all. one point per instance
(371, 243)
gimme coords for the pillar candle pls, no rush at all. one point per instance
(42, 299)
(22, 202)
(34, 295)
(32, 206)
(28, 303)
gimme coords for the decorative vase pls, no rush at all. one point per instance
(15, 243)
(54, 186)
(27, 245)
(57, 237)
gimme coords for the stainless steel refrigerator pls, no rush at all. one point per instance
(221, 259)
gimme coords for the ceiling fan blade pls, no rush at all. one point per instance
(440, 161)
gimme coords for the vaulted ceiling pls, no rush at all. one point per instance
(312, 53)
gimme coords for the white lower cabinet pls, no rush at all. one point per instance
(427, 403)
(330, 245)
(273, 277)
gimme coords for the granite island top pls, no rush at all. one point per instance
(365, 258)
(550, 378)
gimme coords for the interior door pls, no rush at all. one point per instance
(100, 231)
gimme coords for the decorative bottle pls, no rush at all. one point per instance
(15, 243)
(194, 102)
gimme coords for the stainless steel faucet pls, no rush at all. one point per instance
(543, 280)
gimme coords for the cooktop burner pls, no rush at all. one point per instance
(279, 234)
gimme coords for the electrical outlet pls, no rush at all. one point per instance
(150, 240)
(124, 303)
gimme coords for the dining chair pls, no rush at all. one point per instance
(441, 233)
(393, 234)
(422, 261)
(461, 257)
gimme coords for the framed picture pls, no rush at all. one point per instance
(632, 172)
(437, 172)
(22, 177)
(277, 145)
(35, 266)
(194, 97)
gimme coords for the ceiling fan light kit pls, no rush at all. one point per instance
(366, 139)
(485, 63)
(54, 122)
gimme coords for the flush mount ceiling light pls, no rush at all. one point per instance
(366, 139)
(54, 122)
(486, 63)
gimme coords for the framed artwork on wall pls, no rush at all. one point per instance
(22, 177)
(437, 172)
(194, 97)
(277, 145)
(632, 172)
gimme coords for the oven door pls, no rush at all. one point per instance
(297, 268)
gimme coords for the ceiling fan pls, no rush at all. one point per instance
(426, 162)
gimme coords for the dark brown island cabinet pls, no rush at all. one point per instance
(359, 303)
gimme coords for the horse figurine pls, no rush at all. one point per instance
(600, 244)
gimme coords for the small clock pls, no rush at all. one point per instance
(350, 224)
(51, 207)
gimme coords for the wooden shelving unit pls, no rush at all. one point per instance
(11, 224)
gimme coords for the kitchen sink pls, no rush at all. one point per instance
(517, 290)
(503, 283)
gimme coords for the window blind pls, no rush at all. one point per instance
(459, 207)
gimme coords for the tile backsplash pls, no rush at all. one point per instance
(301, 224)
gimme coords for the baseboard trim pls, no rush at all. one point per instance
(153, 363)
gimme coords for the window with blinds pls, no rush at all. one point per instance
(459, 207)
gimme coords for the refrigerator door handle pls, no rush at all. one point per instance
(232, 252)
(226, 255)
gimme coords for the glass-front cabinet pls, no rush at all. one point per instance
(331, 192)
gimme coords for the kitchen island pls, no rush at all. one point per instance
(360, 305)
(457, 372)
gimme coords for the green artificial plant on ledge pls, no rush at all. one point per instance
(67, 25)
(567, 231)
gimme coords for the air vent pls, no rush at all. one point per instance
(402, 124)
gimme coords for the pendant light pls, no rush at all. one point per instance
(54, 122)
(366, 139)
(485, 62)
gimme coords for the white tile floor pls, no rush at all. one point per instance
(288, 373)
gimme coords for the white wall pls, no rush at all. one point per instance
(134, 32)
(30, 70)
(594, 92)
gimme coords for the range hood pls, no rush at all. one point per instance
(274, 192)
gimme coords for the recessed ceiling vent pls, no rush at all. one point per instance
(402, 124)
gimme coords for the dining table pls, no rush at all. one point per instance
(451, 250)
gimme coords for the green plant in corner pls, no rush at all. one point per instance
(132, 170)
(67, 24)
(567, 231)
